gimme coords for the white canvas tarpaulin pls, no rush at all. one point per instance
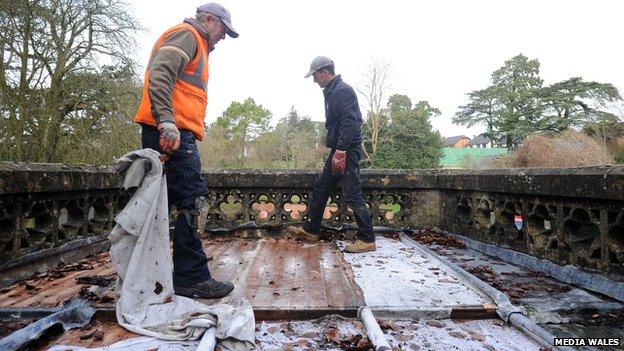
(146, 303)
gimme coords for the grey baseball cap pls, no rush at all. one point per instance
(222, 13)
(318, 63)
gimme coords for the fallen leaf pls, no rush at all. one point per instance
(387, 324)
(402, 337)
(310, 335)
(108, 296)
(363, 344)
(359, 325)
(273, 329)
(87, 335)
(499, 322)
(332, 335)
(99, 335)
(457, 334)
(286, 326)
(410, 326)
(435, 323)
(298, 343)
(476, 335)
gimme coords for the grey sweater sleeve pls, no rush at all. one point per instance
(166, 64)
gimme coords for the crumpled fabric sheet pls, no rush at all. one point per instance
(139, 251)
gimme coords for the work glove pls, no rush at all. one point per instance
(169, 137)
(339, 161)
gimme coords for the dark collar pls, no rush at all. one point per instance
(332, 85)
(199, 27)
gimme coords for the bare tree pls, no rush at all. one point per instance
(21, 76)
(374, 89)
(43, 43)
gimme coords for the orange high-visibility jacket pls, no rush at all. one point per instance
(189, 94)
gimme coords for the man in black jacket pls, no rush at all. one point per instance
(343, 121)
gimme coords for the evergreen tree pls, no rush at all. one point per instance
(516, 87)
(517, 104)
(300, 141)
(574, 103)
(413, 144)
(242, 123)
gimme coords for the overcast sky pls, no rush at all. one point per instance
(437, 50)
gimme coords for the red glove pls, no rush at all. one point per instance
(169, 137)
(339, 161)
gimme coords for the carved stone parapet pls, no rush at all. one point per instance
(568, 215)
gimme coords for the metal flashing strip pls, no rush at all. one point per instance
(25, 313)
(485, 311)
(506, 310)
(76, 313)
(568, 274)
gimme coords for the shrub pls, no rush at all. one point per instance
(567, 149)
(616, 147)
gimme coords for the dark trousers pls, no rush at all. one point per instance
(184, 184)
(351, 192)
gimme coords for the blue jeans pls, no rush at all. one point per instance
(184, 184)
(351, 192)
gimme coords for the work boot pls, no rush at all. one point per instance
(360, 246)
(301, 234)
(208, 289)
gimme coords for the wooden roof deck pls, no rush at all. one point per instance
(277, 274)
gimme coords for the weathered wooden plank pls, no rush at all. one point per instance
(316, 278)
(300, 287)
(333, 283)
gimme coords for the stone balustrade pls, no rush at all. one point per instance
(569, 216)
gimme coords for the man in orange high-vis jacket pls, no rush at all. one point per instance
(171, 115)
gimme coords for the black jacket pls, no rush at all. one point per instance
(343, 119)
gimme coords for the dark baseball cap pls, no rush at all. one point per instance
(222, 13)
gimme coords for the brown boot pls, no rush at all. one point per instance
(301, 234)
(360, 246)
